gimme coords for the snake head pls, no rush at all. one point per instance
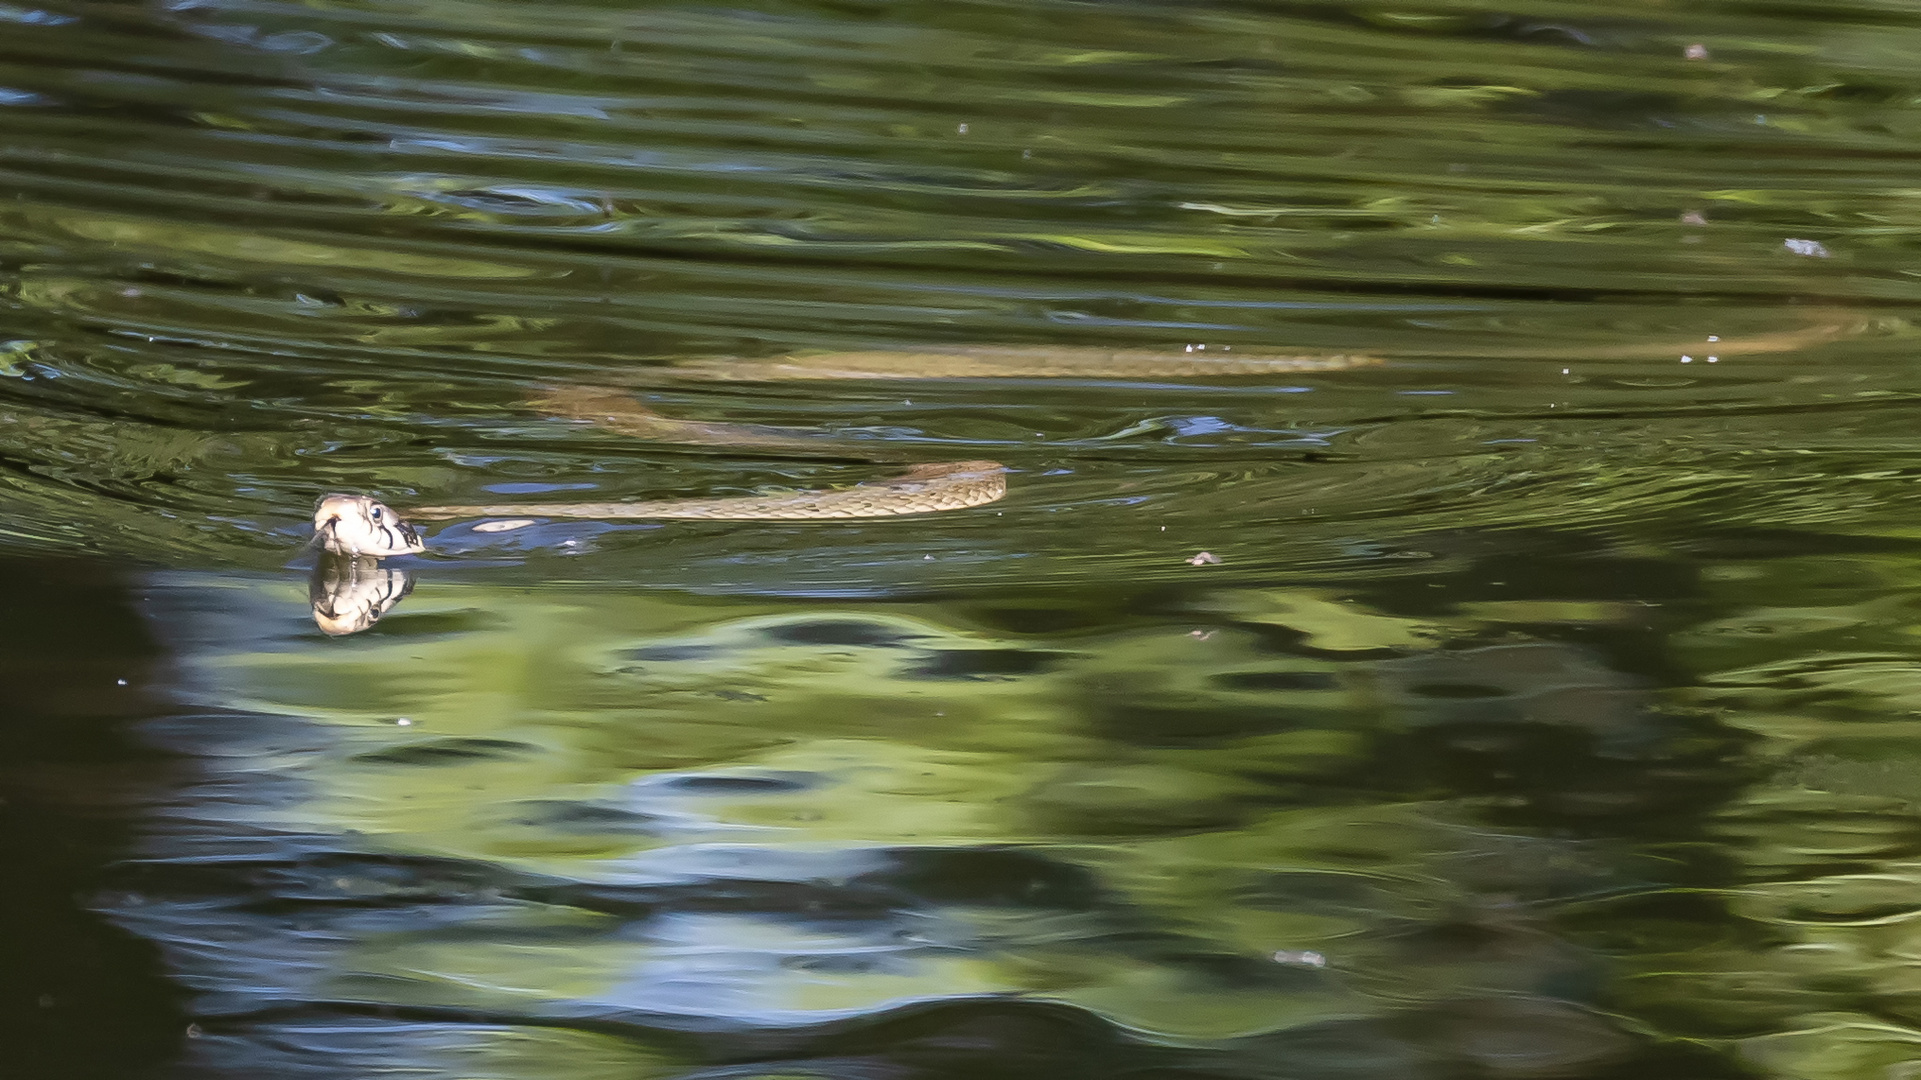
(359, 525)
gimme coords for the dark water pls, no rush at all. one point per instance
(1549, 709)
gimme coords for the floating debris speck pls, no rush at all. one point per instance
(503, 526)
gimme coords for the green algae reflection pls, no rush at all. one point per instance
(1177, 824)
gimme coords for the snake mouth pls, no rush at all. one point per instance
(324, 532)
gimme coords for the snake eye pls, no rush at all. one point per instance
(376, 515)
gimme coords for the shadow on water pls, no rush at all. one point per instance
(79, 997)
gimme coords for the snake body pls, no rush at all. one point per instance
(1012, 362)
(923, 489)
(363, 527)
(360, 526)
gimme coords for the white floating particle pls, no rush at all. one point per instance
(503, 526)
(1714, 359)
(1714, 337)
(1811, 248)
(403, 722)
(1300, 958)
(1687, 359)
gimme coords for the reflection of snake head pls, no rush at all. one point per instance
(358, 525)
(351, 594)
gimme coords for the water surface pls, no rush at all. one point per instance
(1543, 710)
